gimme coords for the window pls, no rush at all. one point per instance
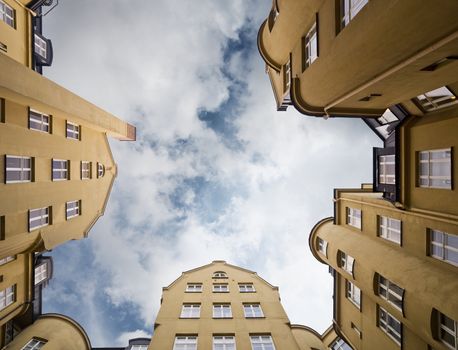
(223, 342)
(262, 342)
(390, 325)
(310, 47)
(389, 229)
(86, 170)
(386, 169)
(194, 287)
(185, 342)
(346, 262)
(222, 311)
(2, 228)
(436, 99)
(354, 217)
(139, 347)
(18, 169)
(72, 209)
(7, 260)
(100, 170)
(252, 310)
(7, 14)
(435, 169)
(339, 344)
(34, 344)
(40, 46)
(353, 294)
(246, 288)
(41, 273)
(39, 121)
(38, 218)
(220, 288)
(73, 131)
(287, 76)
(349, 9)
(356, 329)
(7, 296)
(322, 246)
(219, 274)
(190, 311)
(444, 246)
(60, 170)
(390, 291)
(448, 331)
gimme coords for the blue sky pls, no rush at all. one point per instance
(216, 172)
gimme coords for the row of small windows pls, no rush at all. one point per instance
(441, 245)
(21, 169)
(43, 122)
(222, 310)
(224, 342)
(220, 288)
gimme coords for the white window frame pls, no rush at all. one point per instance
(253, 310)
(444, 244)
(7, 260)
(34, 344)
(340, 344)
(185, 342)
(100, 170)
(354, 217)
(220, 288)
(190, 311)
(387, 229)
(73, 131)
(444, 328)
(7, 14)
(40, 46)
(219, 274)
(138, 347)
(384, 176)
(63, 171)
(384, 321)
(246, 288)
(41, 273)
(387, 291)
(429, 159)
(353, 293)
(194, 288)
(24, 171)
(429, 102)
(322, 246)
(7, 296)
(347, 13)
(42, 220)
(346, 262)
(310, 43)
(262, 341)
(43, 121)
(72, 209)
(223, 342)
(222, 310)
(86, 170)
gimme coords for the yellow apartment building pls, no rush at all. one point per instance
(356, 58)
(222, 306)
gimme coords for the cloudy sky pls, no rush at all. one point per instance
(216, 172)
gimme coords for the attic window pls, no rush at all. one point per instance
(440, 63)
(219, 274)
(369, 97)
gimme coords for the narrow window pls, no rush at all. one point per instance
(390, 229)
(39, 121)
(194, 288)
(73, 131)
(2, 228)
(60, 169)
(246, 288)
(346, 262)
(7, 296)
(386, 169)
(190, 311)
(18, 169)
(349, 9)
(435, 168)
(7, 14)
(222, 311)
(448, 331)
(322, 246)
(41, 273)
(353, 294)
(252, 310)
(261, 342)
(223, 342)
(72, 209)
(220, 288)
(436, 99)
(354, 217)
(40, 46)
(86, 170)
(185, 342)
(38, 218)
(390, 325)
(443, 246)
(100, 170)
(390, 291)
(287, 76)
(310, 53)
(357, 330)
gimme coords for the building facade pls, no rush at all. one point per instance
(356, 58)
(222, 306)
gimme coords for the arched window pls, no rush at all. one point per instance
(100, 170)
(219, 274)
